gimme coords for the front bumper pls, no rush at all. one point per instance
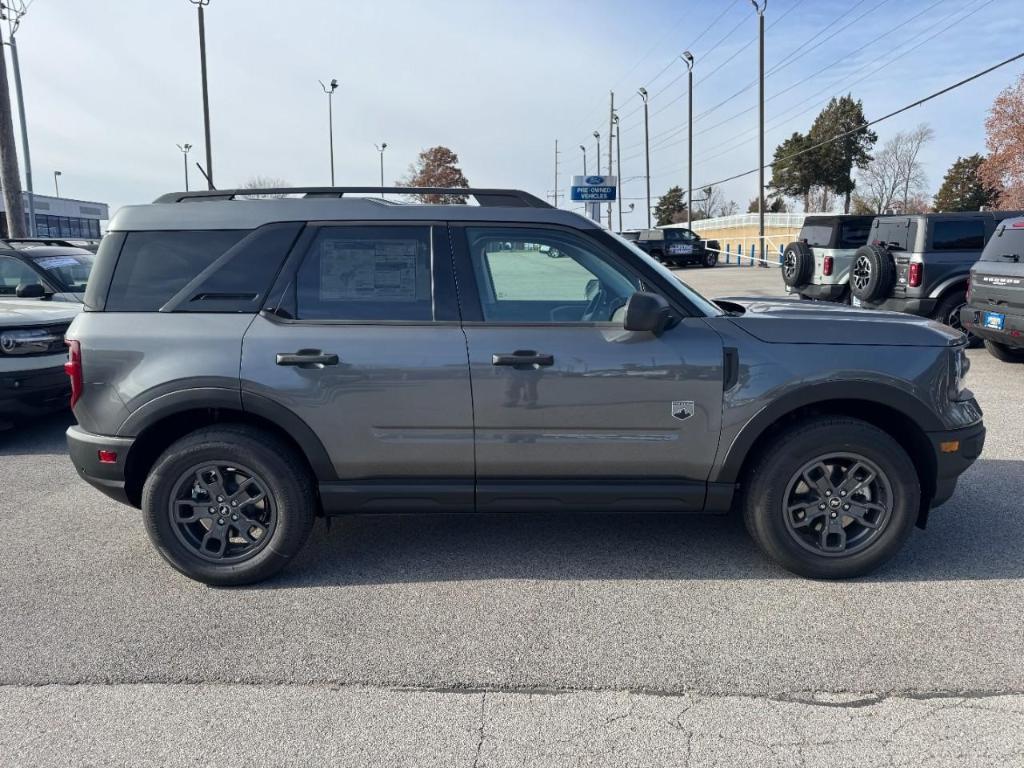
(33, 392)
(84, 448)
(950, 461)
(921, 307)
(1012, 334)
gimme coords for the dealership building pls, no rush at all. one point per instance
(62, 217)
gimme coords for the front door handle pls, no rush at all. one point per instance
(307, 358)
(522, 357)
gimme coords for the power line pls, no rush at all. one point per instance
(869, 123)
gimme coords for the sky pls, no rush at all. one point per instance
(112, 87)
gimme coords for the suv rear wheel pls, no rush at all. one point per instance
(831, 498)
(228, 505)
(947, 312)
(873, 273)
(1004, 353)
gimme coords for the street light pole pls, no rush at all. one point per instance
(184, 152)
(329, 90)
(56, 185)
(200, 4)
(618, 164)
(380, 149)
(597, 141)
(14, 22)
(583, 149)
(760, 8)
(687, 58)
(647, 155)
(611, 169)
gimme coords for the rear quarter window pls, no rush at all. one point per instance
(154, 266)
(964, 235)
(854, 234)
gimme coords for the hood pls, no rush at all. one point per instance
(22, 312)
(793, 321)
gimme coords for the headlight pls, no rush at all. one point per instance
(961, 366)
(30, 341)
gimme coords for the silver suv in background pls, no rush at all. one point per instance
(243, 366)
(995, 299)
(817, 264)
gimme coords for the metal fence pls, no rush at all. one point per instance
(781, 220)
(743, 252)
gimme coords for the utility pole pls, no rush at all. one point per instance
(556, 173)
(184, 152)
(9, 175)
(13, 12)
(760, 125)
(381, 148)
(584, 150)
(647, 155)
(618, 164)
(687, 58)
(329, 90)
(611, 169)
(597, 154)
(200, 4)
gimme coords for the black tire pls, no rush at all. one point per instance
(797, 264)
(1004, 353)
(787, 530)
(947, 312)
(711, 249)
(286, 513)
(658, 256)
(873, 273)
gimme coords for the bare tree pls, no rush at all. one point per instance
(265, 182)
(895, 177)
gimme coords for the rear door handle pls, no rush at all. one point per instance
(522, 357)
(307, 358)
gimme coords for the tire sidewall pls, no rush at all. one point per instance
(291, 500)
(804, 264)
(766, 490)
(883, 273)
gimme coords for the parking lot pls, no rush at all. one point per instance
(515, 639)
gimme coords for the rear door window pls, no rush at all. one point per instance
(154, 266)
(367, 273)
(962, 235)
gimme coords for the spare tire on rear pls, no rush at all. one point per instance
(873, 273)
(797, 264)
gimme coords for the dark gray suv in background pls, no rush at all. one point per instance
(245, 365)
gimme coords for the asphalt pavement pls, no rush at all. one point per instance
(516, 639)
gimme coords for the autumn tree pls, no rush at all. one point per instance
(436, 167)
(1003, 169)
(963, 189)
(670, 207)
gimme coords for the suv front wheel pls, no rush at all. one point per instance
(228, 505)
(831, 498)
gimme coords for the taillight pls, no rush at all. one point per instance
(916, 273)
(826, 266)
(73, 368)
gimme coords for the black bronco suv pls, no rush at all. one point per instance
(920, 264)
(678, 247)
(242, 366)
(995, 301)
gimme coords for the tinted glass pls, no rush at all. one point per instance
(897, 234)
(70, 270)
(958, 235)
(854, 234)
(14, 273)
(1006, 245)
(154, 266)
(817, 234)
(538, 276)
(367, 273)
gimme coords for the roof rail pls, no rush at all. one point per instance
(40, 241)
(509, 198)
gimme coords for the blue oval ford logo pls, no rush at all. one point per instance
(595, 179)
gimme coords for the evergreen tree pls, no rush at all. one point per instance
(833, 163)
(963, 189)
(670, 206)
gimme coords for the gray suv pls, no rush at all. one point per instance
(243, 366)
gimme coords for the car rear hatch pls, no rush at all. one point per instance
(997, 280)
(898, 234)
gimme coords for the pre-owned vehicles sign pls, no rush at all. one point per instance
(593, 189)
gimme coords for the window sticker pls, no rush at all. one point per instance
(367, 271)
(55, 262)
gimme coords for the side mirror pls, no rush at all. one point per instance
(647, 312)
(30, 291)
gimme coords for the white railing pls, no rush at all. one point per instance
(745, 251)
(786, 220)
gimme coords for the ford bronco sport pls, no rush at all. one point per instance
(243, 366)
(995, 301)
(921, 264)
(817, 264)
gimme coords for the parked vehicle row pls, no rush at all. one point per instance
(919, 264)
(242, 366)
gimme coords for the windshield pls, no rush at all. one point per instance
(695, 298)
(69, 270)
